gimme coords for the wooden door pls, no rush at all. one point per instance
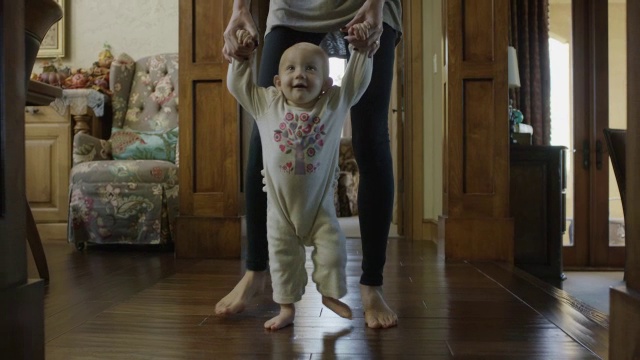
(209, 160)
(592, 201)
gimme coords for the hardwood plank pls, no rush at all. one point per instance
(585, 331)
(127, 303)
(521, 350)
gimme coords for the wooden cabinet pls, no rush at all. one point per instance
(48, 162)
(537, 202)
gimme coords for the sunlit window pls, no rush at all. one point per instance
(336, 69)
(560, 64)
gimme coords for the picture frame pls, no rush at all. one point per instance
(53, 44)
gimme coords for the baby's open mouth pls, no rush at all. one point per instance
(299, 86)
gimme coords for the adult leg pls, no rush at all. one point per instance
(275, 43)
(375, 193)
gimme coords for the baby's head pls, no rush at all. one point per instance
(303, 74)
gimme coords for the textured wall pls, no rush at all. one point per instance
(137, 27)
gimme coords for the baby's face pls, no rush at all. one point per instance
(302, 75)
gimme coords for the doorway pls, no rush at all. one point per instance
(587, 50)
(347, 191)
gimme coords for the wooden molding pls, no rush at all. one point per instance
(624, 335)
(209, 221)
(478, 224)
(632, 210)
(624, 331)
(412, 137)
(53, 232)
(479, 239)
(208, 237)
(429, 230)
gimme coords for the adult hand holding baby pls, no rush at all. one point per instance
(246, 40)
(240, 20)
(370, 14)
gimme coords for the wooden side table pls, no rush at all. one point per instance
(87, 107)
(38, 94)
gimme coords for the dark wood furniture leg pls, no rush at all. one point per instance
(35, 243)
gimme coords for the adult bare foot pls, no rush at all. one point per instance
(251, 284)
(285, 318)
(377, 313)
(337, 306)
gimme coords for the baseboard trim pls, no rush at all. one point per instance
(208, 237)
(430, 230)
(54, 232)
(625, 323)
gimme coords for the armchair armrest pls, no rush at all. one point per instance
(349, 166)
(346, 194)
(89, 148)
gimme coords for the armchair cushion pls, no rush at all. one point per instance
(129, 145)
(124, 171)
(126, 202)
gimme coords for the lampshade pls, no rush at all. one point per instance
(514, 73)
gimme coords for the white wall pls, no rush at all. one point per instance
(137, 27)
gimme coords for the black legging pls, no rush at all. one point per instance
(370, 145)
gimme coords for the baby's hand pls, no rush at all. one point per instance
(245, 39)
(360, 31)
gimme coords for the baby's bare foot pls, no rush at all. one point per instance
(337, 306)
(377, 313)
(284, 319)
(251, 284)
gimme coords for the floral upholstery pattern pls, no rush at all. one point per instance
(124, 190)
(346, 192)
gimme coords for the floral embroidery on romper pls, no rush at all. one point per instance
(302, 137)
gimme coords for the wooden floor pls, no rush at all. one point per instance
(142, 304)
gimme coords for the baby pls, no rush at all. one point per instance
(300, 120)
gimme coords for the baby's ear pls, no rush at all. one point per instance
(277, 82)
(327, 84)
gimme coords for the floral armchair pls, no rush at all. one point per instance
(348, 179)
(124, 190)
